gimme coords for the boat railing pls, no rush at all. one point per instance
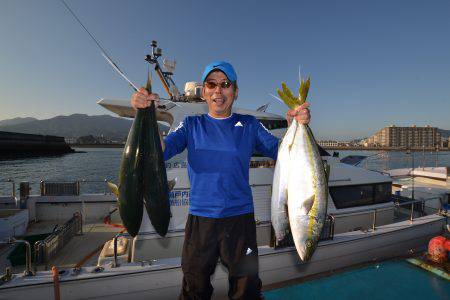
(414, 207)
(28, 263)
(13, 186)
(327, 233)
(67, 188)
(46, 249)
(417, 206)
(50, 187)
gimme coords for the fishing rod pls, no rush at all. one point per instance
(156, 52)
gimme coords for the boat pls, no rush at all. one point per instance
(150, 266)
(366, 222)
(423, 183)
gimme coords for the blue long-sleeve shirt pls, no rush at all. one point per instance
(219, 153)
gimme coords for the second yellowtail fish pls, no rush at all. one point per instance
(300, 182)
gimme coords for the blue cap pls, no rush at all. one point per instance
(223, 66)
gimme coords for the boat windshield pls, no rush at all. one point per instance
(274, 123)
(360, 195)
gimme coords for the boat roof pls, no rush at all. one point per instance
(123, 108)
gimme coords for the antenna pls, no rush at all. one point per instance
(165, 77)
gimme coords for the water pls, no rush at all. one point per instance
(384, 160)
(389, 280)
(94, 166)
(98, 164)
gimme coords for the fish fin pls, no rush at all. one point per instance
(114, 188)
(171, 183)
(148, 85)
(308, 203)
(327, 170)
(294, 123)
(286, 209)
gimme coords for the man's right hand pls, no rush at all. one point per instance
(142, 99)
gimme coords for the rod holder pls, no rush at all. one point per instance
(115, 263)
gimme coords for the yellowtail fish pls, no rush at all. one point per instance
(307, 187)
(279, 216)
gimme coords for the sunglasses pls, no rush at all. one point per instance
(212, 84)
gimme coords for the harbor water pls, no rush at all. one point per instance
(92, 166)
(388, 280)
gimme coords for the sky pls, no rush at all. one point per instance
(372, 63)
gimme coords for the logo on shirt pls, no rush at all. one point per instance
(238, 124)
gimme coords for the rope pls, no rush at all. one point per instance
(107, 220)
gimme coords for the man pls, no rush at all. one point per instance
(221, 221)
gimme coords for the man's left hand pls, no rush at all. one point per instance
(301, 114)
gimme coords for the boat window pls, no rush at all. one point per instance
(360, 195)
(280, 124)
(257, 154)
(383, 193)
(322, 152)
(273, 124)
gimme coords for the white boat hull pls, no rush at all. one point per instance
(162, 279)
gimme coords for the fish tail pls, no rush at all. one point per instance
(304, 89)
(288, 101)
(113, 188)
(288, 93)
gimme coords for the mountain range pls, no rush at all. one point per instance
(16, 121)
(72, 126)
(77, 125)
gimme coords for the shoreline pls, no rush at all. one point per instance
(326, 148)
(97, 145)
(388, 149)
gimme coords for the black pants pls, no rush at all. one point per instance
(233, 240)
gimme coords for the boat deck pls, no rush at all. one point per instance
(84, 249)
(87, 246)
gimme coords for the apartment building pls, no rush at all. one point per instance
(406, 137)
